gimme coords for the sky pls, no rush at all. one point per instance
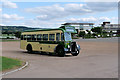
(53, 14)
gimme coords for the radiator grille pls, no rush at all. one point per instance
(73, 46)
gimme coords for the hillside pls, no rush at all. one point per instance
(13, 29)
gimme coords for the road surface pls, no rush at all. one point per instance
(97, 59)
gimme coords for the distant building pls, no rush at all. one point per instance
(107, 26)
(81, 26)
(6, 36)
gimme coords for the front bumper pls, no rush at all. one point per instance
(68, 50)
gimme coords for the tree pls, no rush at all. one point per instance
(97, 30)
(82, 34)
(94, 34)
(89, 32)
(17, 34)
(111, 33)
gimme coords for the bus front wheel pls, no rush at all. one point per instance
(75, 54)
(29, 48)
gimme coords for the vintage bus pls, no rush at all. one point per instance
(54, 41)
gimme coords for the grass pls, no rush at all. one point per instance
(9, 63)
(75, 38)
(7, 40)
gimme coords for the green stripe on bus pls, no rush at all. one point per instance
(50, 42)
(44, 30)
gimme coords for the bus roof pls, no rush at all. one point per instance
(44, 30)
(67, 28)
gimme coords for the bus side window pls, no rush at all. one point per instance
(62, 37)
(28, 37)
(51, 37)
(33, 37)
(25, 37)
(45, 37)
(57, 36)
(39, 37)
(21, 37)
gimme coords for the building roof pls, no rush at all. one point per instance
(113, 24)
(78, 23)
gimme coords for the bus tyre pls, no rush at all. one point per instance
(61, 52)
(75, 54)
(29, 48)
(50, 54)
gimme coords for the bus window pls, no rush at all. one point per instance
(21, 37)
(33, 37)
(51, 37)
(28, 37)
(25, 37)
(67, 36)
(62, 37)
(45, 37)
(39, 37)
(57, 36)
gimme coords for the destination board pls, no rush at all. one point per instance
(70, 29)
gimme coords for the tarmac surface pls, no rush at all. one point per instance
(98, 58)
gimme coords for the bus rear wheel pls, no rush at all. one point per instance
(61, 52)
(29, 48)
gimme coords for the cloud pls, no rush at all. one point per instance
(54, 15)
(57, 11)
(46, 9)
(101, 0)
(89, 19)
(43, 24)
(0, 10)
(104, 19)
(2, 24)
(12, 17)
(77, 8)
(8, 4)
(57, 23)
(102, 6)
(48, 12)
(42, 17)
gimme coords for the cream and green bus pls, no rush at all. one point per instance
(54, 41)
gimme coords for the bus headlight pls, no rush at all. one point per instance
(68, 46)
(78, 47)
